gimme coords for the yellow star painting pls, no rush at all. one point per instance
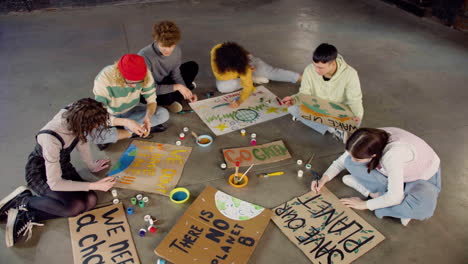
(221, 127)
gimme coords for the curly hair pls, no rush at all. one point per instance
(365, 142)
(166, 33)
(120, 80)
(230, 56)
(84, 116)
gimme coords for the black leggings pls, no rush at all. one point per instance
(52, 204)
(189, 71)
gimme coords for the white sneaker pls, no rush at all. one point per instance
(353, 183)
(405, 221)
(259, 80)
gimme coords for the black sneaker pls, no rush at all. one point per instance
(155, 129)
(102, 147)
(20, 223)
(15, 199)
(158, 128)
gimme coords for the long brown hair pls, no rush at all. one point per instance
(365, 142)
(84, 116)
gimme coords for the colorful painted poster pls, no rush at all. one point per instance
(216, 228)
(150, 167)
(261, 106)
(260, 154)
(324, 112)
(324, 229)
(102, 236)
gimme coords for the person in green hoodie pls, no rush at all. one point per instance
(331, 78)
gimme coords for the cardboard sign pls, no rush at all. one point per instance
(324, 112)
(102, 236)
(216, 228)
(261, 106)
(150, 167)
(261, 154)
(324, 229)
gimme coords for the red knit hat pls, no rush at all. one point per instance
(132, 67)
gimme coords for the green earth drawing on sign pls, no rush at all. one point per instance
(316, 108)
(336, 107)
(236, 209)
(127, 158)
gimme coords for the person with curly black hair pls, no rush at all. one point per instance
(61, 192)
(235, 68)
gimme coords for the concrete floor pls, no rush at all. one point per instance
(412, 74)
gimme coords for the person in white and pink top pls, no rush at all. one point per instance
(398, 171)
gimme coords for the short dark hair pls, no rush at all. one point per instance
(365, 142)
(325, 53)
(230, 56)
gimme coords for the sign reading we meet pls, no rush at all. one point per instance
(324, 229)
(102, 236)
(150, 167)
(327, 113)
(260, 154)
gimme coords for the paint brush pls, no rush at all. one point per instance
(311, 158)
(195, 135)
(266, 175)
(236, 174)
(243, 174)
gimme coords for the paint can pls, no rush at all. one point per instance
(161, 261)
(130, 210)
(115, 201)
(185, 129)
(308, 166)
(300, 173)
(243, 132)
(152, 229)
(223, 166)
(253, 135)
(241, 184)
(294, 118)
(253, 142)
(114, 193)
(181, 136)
(141, 204)
(178, 143)
(145, 199)
(299, 162)
(147, 218)
(139, 196)
(179, 195)
(133, 200)
(142, 232)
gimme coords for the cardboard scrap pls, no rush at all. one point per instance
(259, 154)
(216, 228)
(328, 113)
(102, 236)
(324, 229)
(150, 167)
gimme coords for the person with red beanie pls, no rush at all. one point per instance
(119, 88)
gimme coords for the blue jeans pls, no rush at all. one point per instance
(420, 196)
(294, 111)
(262, 69)
(110, 135)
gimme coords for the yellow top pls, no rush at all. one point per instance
(246, 79)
